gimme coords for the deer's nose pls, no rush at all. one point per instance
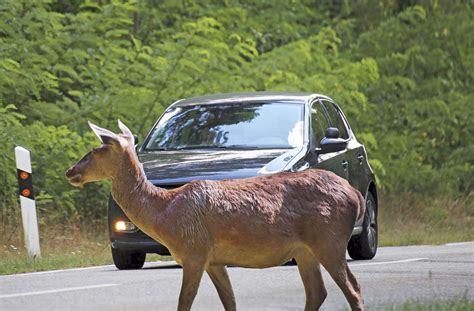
(69, 173)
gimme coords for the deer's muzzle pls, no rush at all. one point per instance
(73, 177)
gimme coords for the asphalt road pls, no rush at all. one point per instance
(396, 274)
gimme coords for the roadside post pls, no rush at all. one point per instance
(27, 202)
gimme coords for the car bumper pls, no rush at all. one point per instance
(146, 246)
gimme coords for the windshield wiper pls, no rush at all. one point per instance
(201, 147)
(243, 147)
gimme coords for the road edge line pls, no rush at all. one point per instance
(160, 263)
(389, 262)
(52, 291)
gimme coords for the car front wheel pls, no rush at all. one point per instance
(126, 260)
(364, 245)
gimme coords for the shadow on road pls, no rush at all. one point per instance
(163, 267)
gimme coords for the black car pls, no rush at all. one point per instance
(242, 135)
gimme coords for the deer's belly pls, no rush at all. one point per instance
(254, 255)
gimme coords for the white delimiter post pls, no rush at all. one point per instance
(28, 205)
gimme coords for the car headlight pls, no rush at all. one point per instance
(125, 226)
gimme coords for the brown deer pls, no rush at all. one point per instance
(257, 222)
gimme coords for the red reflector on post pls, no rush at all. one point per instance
(27, 201)
(25, 184)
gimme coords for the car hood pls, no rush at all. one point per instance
(178, 167)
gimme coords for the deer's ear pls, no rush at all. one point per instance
(125, 130)
(105, 136)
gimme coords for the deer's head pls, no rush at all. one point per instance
(103, 162)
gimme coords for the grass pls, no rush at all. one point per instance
(408, 220)
(458, 304)
(61, 248)
(403, 220)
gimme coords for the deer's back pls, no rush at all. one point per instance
(289, 199)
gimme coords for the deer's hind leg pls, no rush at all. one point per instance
(310, 272)
(220, 278)
(333, 258)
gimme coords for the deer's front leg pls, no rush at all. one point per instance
(220, 278)
(192, 273)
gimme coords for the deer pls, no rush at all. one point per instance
(258, 222)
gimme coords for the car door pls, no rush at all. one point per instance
(355, 153)
(359, 168)
(334, 161)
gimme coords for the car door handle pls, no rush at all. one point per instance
(344, 164)
(361, 159)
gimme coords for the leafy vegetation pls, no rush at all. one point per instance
(402, 71)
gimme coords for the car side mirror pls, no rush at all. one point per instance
(135, 139)
(332, 142)
(332, 132)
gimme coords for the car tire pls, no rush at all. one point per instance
(126, 260)
(364, 245)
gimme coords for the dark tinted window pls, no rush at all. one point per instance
(238, 126)
(335, 119)
(319, 123)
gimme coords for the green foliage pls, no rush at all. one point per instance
(423, 99)
(403, 74)
(53, 150)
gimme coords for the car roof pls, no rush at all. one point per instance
(247, 97)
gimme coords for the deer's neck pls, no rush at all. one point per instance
(141, 201)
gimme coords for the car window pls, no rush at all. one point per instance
(245, 125)
(335, 118)
(319, 123)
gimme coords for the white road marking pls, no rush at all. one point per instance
(52, 291)
(459, 243)
(147, 264)
(389, 262)
(56, 271)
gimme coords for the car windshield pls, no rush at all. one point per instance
(267, 125)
